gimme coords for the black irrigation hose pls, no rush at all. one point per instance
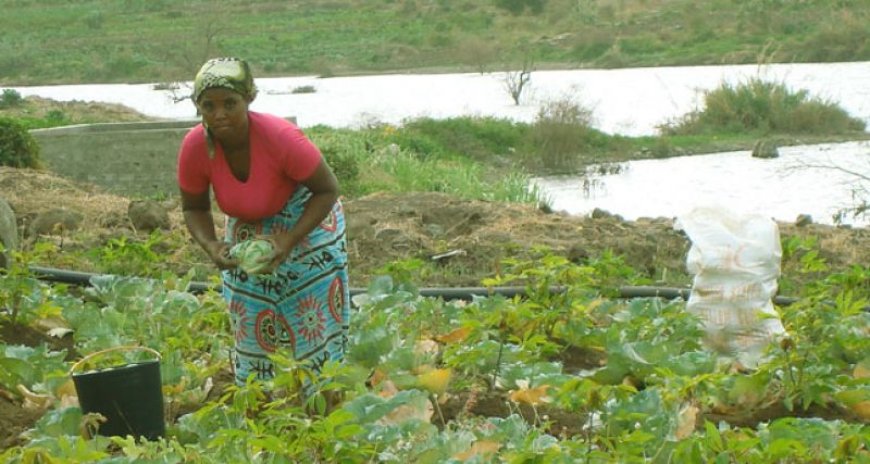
(447, 293)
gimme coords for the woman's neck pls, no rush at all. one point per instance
(234, 145)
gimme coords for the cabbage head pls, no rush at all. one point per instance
(249, 252)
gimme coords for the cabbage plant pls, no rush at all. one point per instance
(252, 255)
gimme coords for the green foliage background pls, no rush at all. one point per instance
(56, 41)
(18, 149)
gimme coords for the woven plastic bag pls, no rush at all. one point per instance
(735, 260)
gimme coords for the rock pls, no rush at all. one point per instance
(765, 149)
(434, 230)
(8, 231)
(803, 220)
(599, 213)
(147, 215)
(55, 222)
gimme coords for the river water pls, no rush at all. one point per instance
(811, 179)
(631, 102)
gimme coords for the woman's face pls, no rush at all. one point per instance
(225, 112)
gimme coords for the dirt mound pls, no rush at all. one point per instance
(480, 234)
(474, 235)
(73, 112)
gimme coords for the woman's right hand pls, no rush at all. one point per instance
(219, 252)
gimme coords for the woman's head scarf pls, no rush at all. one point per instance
(226, 73)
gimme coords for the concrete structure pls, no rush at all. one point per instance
(134, 159)
(131, 159)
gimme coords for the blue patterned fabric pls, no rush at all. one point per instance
(303, 307)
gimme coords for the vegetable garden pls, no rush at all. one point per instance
(574, 375)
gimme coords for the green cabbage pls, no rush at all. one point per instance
(249, 252)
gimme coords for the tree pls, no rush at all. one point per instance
(516, 81)
(858, 181)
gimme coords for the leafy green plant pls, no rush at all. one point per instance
(659, 397)
(252, 254)
(129, 255)
(10, 98)
(821, 345)
(21, 294)
(18, 148)
(561, 132)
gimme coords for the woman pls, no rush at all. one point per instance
(272, 183)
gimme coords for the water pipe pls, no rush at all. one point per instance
(447, 293)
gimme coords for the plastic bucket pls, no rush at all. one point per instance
(130, 397)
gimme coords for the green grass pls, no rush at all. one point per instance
(56, 41)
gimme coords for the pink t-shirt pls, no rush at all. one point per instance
(281, 157)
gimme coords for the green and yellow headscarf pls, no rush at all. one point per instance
(227, 73)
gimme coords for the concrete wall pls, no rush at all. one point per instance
(131, 159)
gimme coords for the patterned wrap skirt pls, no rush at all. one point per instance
(301, 309)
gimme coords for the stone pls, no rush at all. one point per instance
(803, 220)
(599, 213)
(8, 232)
(55, 222)
(765, 149)
(148, 215)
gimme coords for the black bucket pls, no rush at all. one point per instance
(130, 397)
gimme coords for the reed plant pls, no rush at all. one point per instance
(764, 107)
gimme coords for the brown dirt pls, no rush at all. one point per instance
(76, 112)
(385, 228)
(14, 420)
(14, 417)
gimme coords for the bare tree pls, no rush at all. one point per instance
(516, 81)
(859, 183)
(190, 54)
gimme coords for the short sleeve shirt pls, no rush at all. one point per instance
(281, 157)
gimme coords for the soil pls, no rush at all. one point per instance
(14, 417)
(385, 228)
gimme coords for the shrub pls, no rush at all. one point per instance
(760, 106)
(18, 148)
(94, 20)
(561, 132)
(10, 98)
(478, 138)
(343, 155)
(305, 89)
(517, 7)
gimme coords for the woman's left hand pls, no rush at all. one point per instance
(282, 245)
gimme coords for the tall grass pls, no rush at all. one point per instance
(764, 107)
(398, 159)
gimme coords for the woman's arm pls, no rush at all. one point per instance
(200, 224)
(324, 192)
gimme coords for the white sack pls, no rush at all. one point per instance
(735, 260)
